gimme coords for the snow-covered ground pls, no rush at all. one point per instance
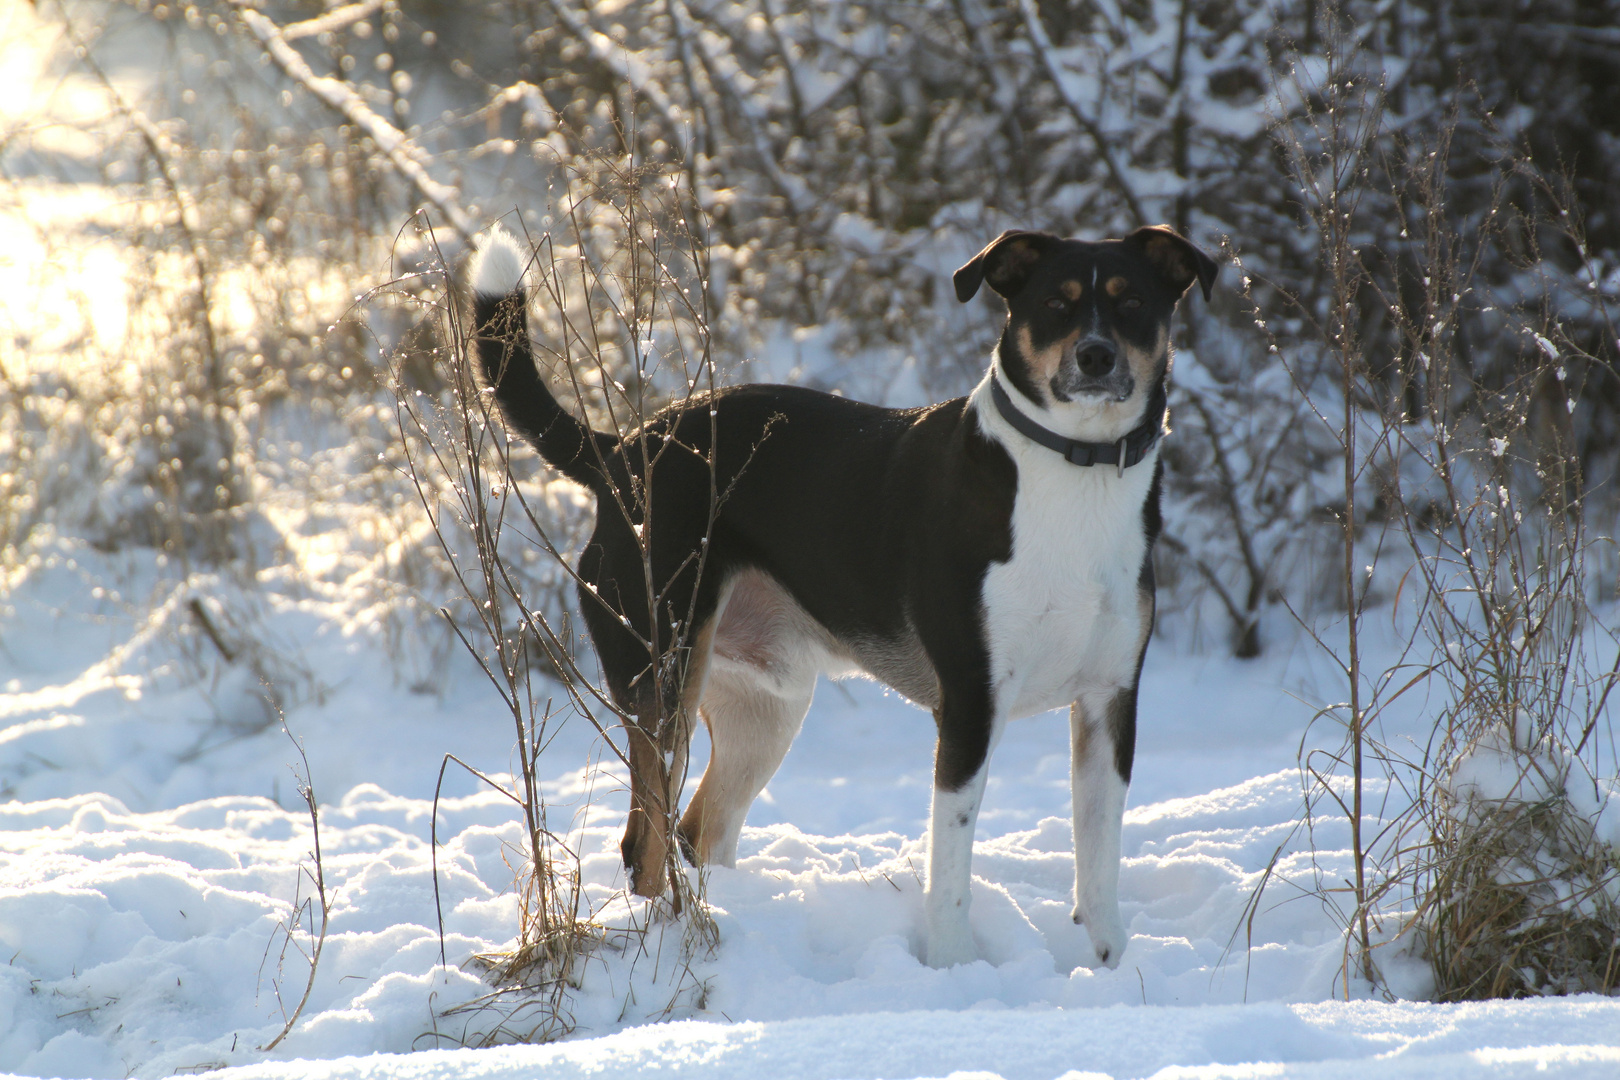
(155, 836)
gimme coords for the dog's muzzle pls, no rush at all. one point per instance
(1094, 369)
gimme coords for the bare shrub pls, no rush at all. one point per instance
(1473, 847)
(620, 282)
(1513, 891)
(203, 234)
(1521, 900)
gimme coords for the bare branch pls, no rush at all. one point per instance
(1043, 52)
(408, 159)
(336, 19)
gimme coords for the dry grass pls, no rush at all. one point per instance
(1526, 901)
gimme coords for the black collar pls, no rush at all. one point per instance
(1128, 451)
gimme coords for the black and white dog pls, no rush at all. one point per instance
(989, 557)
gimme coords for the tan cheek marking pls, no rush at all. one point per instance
(1144, 363)
(1071, 290)
(1026, 351)
(1043, 364)
(1116, 285)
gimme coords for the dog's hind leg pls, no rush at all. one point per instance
(761, 675)
(752, 720)
(1102, 729)
(656, 758)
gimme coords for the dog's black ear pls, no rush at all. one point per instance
(1005, 263)
(1178, 259)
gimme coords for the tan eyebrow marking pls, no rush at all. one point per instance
(1116, 285)
(1071, 290)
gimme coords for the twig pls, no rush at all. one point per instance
(335, 19)
(307, 790)
(408, 159)
(1043, 52)
(200, 614)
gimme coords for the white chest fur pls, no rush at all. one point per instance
(1063, 615)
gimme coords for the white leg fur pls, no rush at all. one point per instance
(1099, 809)
(752, 721)
(946, 904)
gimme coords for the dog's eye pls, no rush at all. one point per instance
(1057, 303)
(1131, 303)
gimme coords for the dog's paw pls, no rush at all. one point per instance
(1108, 936)
(948, 950)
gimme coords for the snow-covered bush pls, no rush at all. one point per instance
(847, 156)
(1526, 898)
(1458, 483)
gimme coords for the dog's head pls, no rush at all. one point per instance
(1088, 323)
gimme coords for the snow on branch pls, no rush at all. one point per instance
(690, 35)
(407, 158)
(336, 19)
(536, 109)
(1043, 51)
(621, 61)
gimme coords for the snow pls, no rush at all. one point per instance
(1229, 1041)
(154, 841)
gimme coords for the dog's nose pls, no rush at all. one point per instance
(1096, 359)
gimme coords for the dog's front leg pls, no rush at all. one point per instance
(968, 732)
(1102, 733)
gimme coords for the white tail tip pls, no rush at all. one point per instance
(497, 264)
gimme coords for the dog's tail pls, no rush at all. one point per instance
(501, 323)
